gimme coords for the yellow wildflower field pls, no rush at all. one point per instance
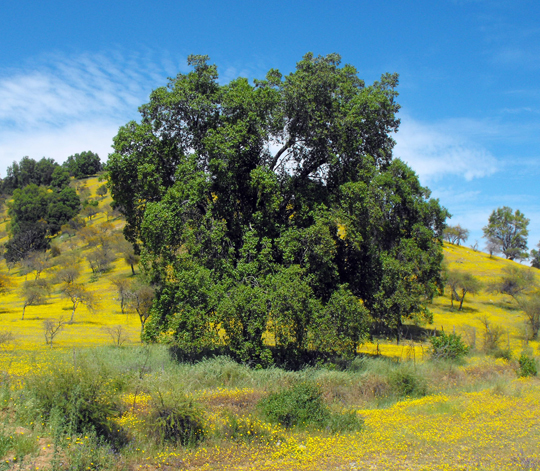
(493, 428)
(484, 430)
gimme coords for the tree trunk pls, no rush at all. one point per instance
(23, 309)
(73, 312)
(463, 293)
(132, 269)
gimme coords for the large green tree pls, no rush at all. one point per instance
(507, 232)
(237, 194)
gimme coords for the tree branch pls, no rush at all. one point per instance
(287, 145)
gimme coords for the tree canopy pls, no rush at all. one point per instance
(83, 165)
(29, 171)
(507, 232)
(35, 213)
(455, 234)
(276, 206)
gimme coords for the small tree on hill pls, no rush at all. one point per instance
(461, 282)
(32, 294)
(515, 281)
(122, 286)
(5, 283)
(51, 328)
(37, 262)
(531, 308)
(508, 231)
(141, 298)
(78, 295)
(131, 259)
(455, 234)
(68, 275)
(535, 257)
(90, 211)
(102, 191)
(100, 260)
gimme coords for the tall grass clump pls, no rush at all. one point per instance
(76, 400)
(175, 418)
(407, 382)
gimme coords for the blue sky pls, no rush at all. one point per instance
(72, 72)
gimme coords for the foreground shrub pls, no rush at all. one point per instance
(76, 401)
(176, 420)
(527, 366)
(407, 383)
(303, 406)
(448, 347)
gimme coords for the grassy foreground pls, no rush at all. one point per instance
(412, 413)
(425, 416)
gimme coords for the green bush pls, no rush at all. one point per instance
(527, 366)
(448, 346)
(348, 421)
(177, 421)
(303, 406)
(300, 406)
(407, 383)
(76, 400)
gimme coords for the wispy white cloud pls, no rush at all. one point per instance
(58, 105)
(443, 149)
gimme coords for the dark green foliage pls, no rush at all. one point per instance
(448, 346)
(29, 206)
(527, 366)
(60, 178)
(35, 213)
(23, 243)
(244, 313)
(302, 405)
(63, 206)
(327, 232)
(27, 172)
(83, 165)
(342, 325)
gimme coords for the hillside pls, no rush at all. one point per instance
(91, 328)
(379, 413)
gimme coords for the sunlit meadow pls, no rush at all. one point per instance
(473, 416)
